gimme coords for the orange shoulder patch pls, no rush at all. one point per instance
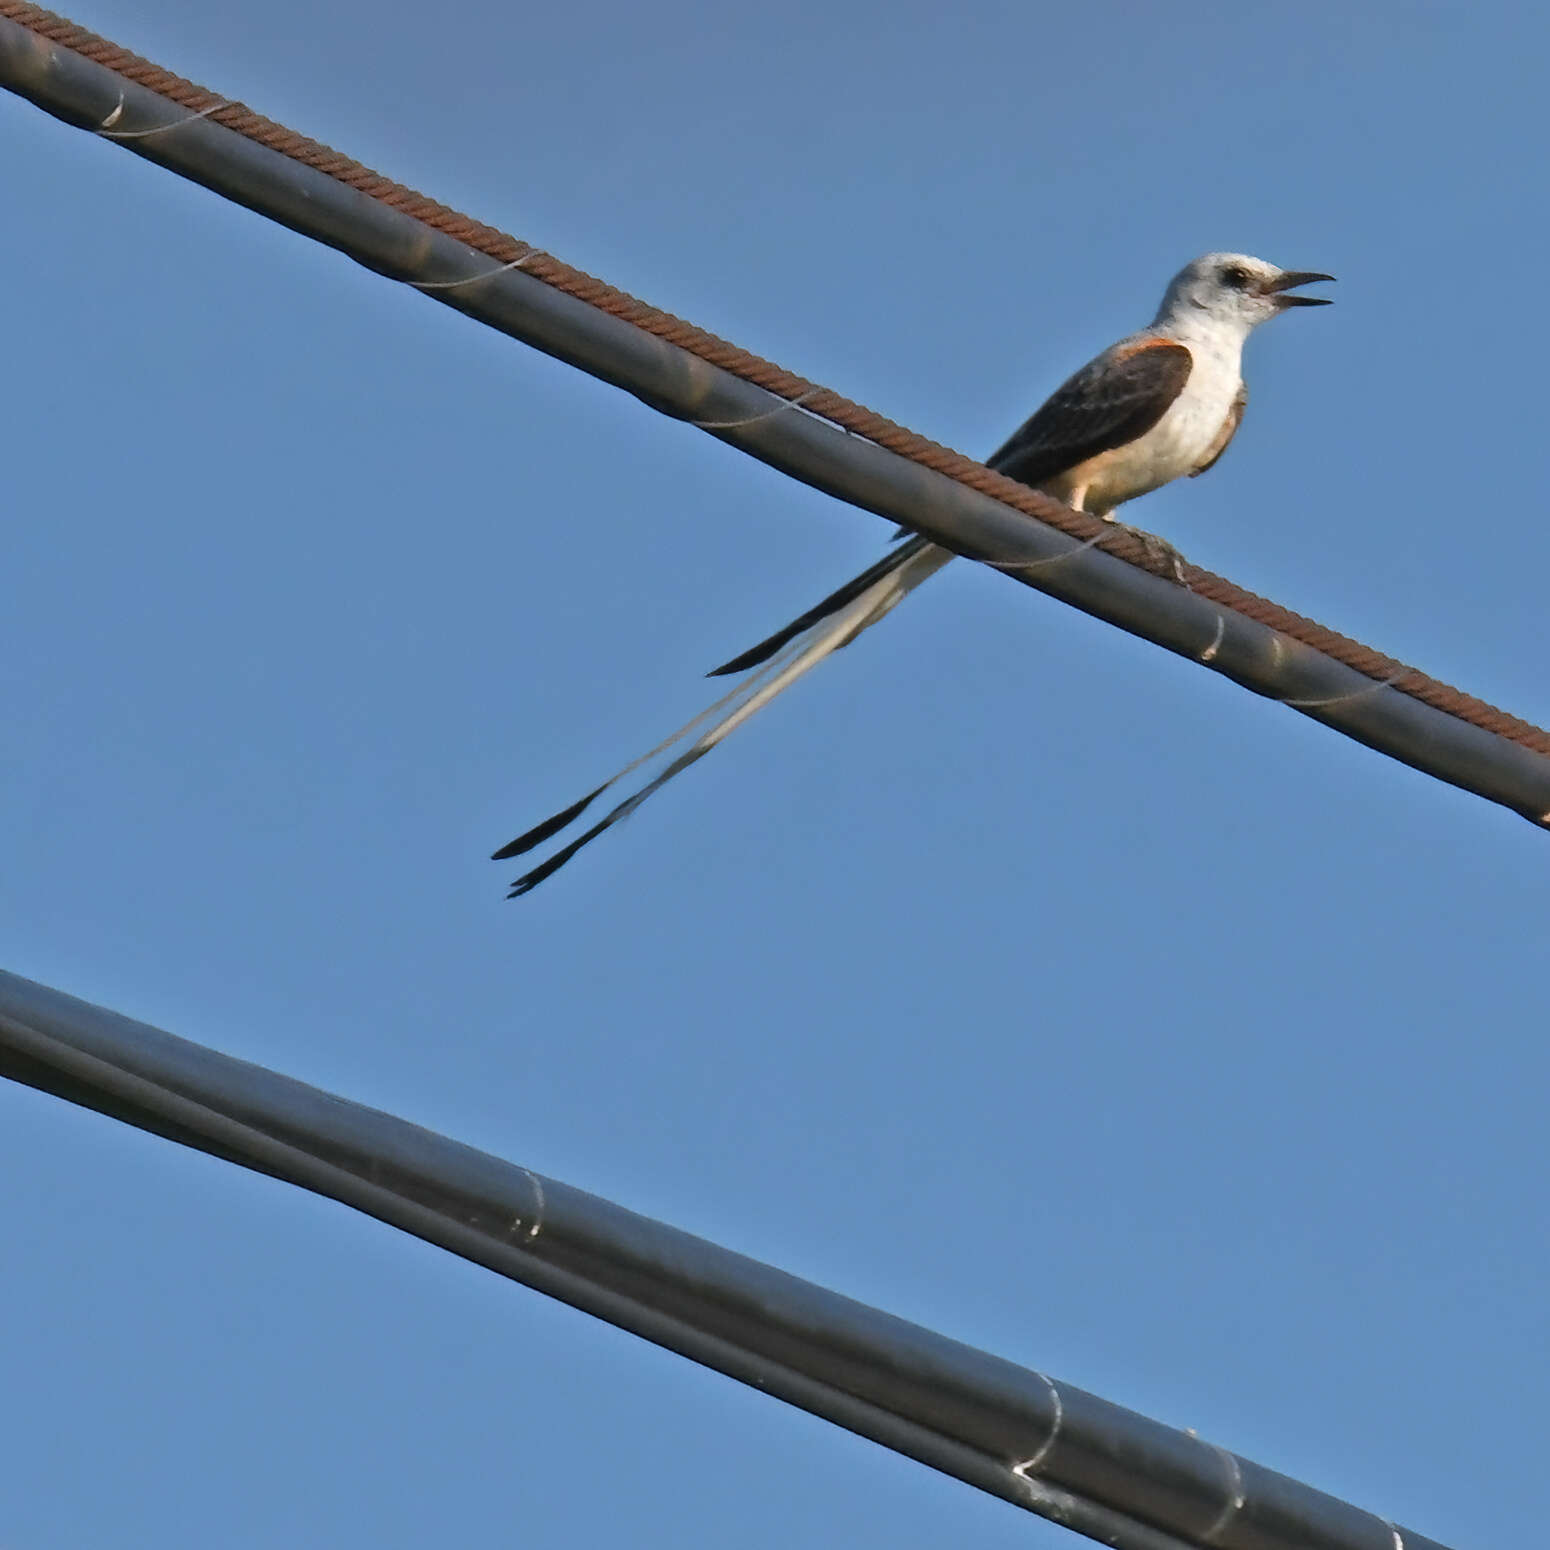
(1143, 346)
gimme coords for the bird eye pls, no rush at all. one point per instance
(1235, 276)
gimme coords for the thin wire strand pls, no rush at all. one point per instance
(1017, 567)
(473, 279)
(108, 133)
(754, 419)
(1029, 1467)
(1356, 694)
(1209, 654)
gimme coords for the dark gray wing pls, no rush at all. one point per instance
(1112, 400)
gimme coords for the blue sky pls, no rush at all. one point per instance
(1010, 974)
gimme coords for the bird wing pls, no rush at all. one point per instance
(1112, 400)
(1228, 431)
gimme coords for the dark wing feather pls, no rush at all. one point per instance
(1112, 400)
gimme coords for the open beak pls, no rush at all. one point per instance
(1287, 279)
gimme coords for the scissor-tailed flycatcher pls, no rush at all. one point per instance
(1156, 406)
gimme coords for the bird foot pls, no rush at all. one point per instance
(1162, 557)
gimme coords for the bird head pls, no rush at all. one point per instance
(1237, 288)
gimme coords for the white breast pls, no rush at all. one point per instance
(1176, 445)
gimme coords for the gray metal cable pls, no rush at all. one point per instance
(1046, 1446)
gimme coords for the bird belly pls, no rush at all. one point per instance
(1175, 446)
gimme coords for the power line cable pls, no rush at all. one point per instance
(1046, 1446)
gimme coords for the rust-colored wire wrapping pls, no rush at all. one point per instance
(817, 400)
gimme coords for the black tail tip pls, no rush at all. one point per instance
(549, 827)
(751, 658)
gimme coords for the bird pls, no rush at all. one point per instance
(1155, 406)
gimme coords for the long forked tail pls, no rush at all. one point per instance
(781, 660)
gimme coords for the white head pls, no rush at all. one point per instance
(1236, 290)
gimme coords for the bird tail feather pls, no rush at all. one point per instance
(782, 659)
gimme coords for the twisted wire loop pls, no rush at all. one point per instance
(107, 132)
(823, 402)
(1018, 567)
(531, 1229)
(1209, 654)
(1236, 1495)
(799, 402)
(473, 279)
(1391, 682)
(1027, 1468)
